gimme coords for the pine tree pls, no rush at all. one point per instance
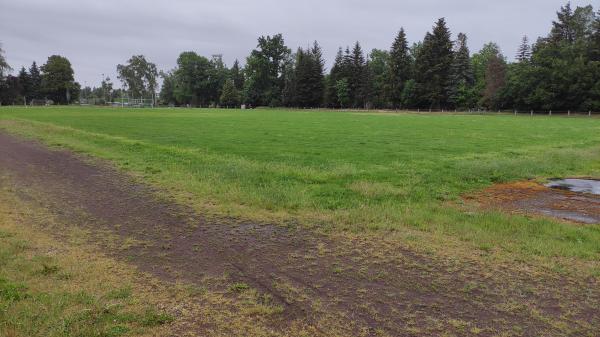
(317, 75)
(230, 96)
(400, 68)
(563, 30)
(524, 51)
(461, 74)
(25, 81)
(36, 82)
(433, 65)
(357, 77)
(237, 75)
(334, 76)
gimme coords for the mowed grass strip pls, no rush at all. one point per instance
(340, 170)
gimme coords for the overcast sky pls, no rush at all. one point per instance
(96, 35)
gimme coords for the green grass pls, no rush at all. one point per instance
(341, 170)
(57, 289)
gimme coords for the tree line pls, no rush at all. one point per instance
(558, 71)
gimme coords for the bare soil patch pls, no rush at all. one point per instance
(328, 285)
(529, 197)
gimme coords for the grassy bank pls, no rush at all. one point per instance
(340, 170)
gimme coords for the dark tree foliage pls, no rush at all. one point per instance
(264, 71)
(230, 96)
(237, 75)
(432, 67)
(563, 71)
(36, 82)
(400, 66)
(58, 82)
(495, 79)
(167, 91)
(308, 78)
(378, 68)
(358, 76)
(192, 79)
(337, 73)
(461, 80)
(25, 82)
(11, 90)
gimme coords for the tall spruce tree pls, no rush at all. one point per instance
(379, 69)
(237, 75)
(357, 77)
(317, 75)
(399, 69)
(563, 28)
(433, 65)
(36, 81)
(335, 75)
(25, 81)
(524, 51)
(461, 75)
(230, 96)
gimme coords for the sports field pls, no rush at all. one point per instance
(340, 169)
(413, 179)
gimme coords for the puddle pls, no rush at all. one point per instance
(576, 185)
(555, 199)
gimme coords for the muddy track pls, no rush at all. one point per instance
(359, 285)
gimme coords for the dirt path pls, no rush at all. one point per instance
(355, 287)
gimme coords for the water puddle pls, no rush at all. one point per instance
(576, 200)
(576, 185)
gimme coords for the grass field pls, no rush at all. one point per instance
(341, 170)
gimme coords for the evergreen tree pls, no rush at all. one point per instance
(433, 65)
(230, 96)
(317, 75)
(25, 82)
(399, 69)
(563, 29)
(524, 51)
(343, 92)
(379, 69)
(357, 77)
(35, 81)
(335, 75)
(237, 75)
(461, 75)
